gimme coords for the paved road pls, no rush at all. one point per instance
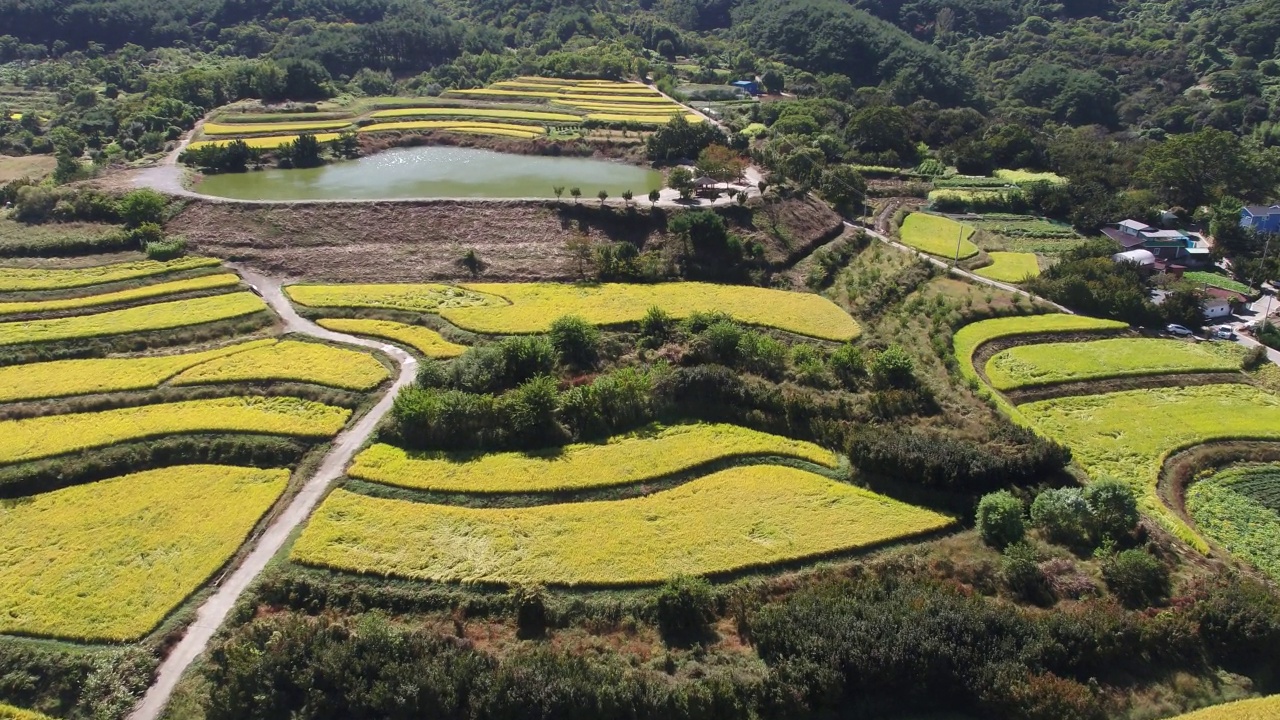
(213, 612)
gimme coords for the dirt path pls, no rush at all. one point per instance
(881, 233)
(214, 610)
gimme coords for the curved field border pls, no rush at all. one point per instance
(1028, 366)
(145, 292)
(646, 455)
(1013, 267)
(495, 113)
(1266, 708)
(937, 236)
(732, 521)
(159, 316)
(54, 435)
(1129, 435)
(1239, 508)
(34, 279)
(108, 561)
(426, 341)
(534, 306)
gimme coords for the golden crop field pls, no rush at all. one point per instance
(427, 297)
(108, 561)
(160, 316)
(452, 125)
(640, 456)
(937, 235)
(27, 279)
(558, 95)
(211, 128)
(204, 282)
(424, 340)
(623, 89)
(1267, 708)
(1050, 363)
(64, 378)
(1019, 177)
(292, 360)
(1127, 435)
(478, 113)
(669, 108)
(736, 519)
(51, 435)
(534, 306)
(499, 132)
(1011, 267)
(969, 338)
(645, 119)
(264, 143)
(9, 712)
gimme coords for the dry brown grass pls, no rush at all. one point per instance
(35, 167)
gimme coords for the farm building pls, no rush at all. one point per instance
(1165, 246)
(1142, 258)
(1262, 218)
(750, 86)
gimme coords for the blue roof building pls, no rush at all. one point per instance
(749, 85)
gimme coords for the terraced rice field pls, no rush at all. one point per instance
(649, 119)
(31, 279)
(1023, 177)
(427, 297)
(426, 341)
(52, 435)
(270, 142)
(1127, 435)
(453, 125)
(969, 338)
(1011, 267)
(64, 378)
(534, 306)
(292, 360)
(738, 519)
(197, 284)
(477, 113)
(637, 457)
(1267, 708)
(1051, 363)
(937, 235)
(1240, 509)
(211, 128)
(160, 316)
(108, 561)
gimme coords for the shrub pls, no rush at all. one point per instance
(719, 343)
(761, 354)
(173, 248)
(530, 412)
(686, 608)
(1013, 456)
(656, 325)
(1137, 579)
(1113, 509)
(999, 519)
(142, 206)
(576, 341)
(1020, 570)
(531, 611)
(848, 365)
(893, 367)
(505, 364)
(1062, 513)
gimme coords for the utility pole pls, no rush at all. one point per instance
(1262, 266)
(959, 239)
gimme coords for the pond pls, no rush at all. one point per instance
(437, 172)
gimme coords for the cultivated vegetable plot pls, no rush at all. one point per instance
(160, 316)
(1050, 363)
(1010, 267)
(741, 518)
(292, 360)
(636, 457)
(424, 340)
(27, 279)
(1200, 277)
(429, 298)
(534, 306)
(969, 338)
(205, 282)
(1127, 435)
(211, 128)
(937, 235)
(51, 435)
(1240, 508)
(1267, 708)
(107, 561)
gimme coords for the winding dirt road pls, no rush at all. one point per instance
(214, 610)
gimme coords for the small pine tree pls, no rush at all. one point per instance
(999, 519)
(576, 193)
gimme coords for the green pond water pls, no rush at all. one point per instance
(437, 172)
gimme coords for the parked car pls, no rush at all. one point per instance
(1178, 330)
(1224, 333)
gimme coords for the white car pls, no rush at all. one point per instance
(1224, 333)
